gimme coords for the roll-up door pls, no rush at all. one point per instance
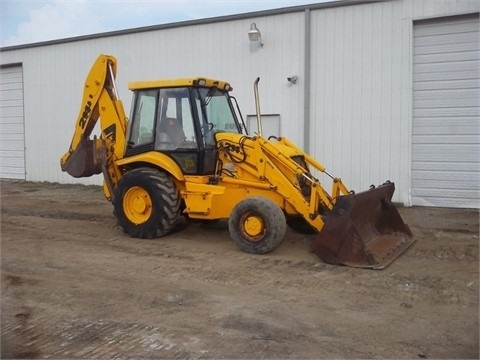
(12, 130)
(446, 113)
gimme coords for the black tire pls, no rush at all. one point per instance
(300, 225)
(146, 203)
(257, 225)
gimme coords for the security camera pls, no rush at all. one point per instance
(292, 79)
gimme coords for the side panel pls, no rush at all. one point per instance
(208, 202)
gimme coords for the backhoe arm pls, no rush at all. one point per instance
(86, 156)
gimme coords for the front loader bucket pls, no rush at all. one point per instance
(363, 230)
(82, 162)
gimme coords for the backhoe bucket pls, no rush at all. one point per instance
(82, 162)
(363, 230)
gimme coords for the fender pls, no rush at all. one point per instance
(154, 158)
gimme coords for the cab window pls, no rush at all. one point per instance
(175, 125)
(215, 112)
(143, 122)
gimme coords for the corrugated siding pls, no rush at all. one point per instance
(360, 87)
(361, 95)
(220, 50)
(446, 116)
(361, 82)
(12, 139)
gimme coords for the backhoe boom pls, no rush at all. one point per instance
(85, 156)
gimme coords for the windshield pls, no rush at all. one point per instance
(215, 110)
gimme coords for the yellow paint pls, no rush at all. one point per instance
(252, 166)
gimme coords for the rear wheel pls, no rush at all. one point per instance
(257, 225)
(146, 203)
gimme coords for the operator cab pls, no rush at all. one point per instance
(180, 118)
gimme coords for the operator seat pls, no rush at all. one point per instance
(174, 130)
(170, 134)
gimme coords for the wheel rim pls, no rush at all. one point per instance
(252, 227)
(137, 205)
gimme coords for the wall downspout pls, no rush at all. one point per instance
(306, 86)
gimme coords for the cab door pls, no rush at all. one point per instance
(162, 120)
(176, 133)
(214, 111)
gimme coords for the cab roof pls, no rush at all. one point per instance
(182, 82)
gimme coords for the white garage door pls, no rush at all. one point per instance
(12, 136)
(446, 113)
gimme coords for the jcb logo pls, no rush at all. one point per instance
(188, 164)
(111, 133)
(86, 113)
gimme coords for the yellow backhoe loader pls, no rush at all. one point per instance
(185, 151)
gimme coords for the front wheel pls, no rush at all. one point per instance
(146, 203)
(257, 225)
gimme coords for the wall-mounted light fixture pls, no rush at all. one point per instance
(254, 34)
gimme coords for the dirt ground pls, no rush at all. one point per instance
(73, 285)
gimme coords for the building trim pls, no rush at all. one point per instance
(6, 66)
(446, 17)
(218, 19)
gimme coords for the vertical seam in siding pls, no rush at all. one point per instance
(410, 120)
(307, 71)
(24, 128)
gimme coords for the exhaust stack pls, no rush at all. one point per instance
(257, 106)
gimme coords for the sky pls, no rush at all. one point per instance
(29, 21)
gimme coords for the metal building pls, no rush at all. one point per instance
(383, 90)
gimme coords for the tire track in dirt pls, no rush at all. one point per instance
(77, 338)
(244, 273)
(57, 214)
(264, 271)
(75, 286)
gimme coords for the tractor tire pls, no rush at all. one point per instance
(257, 225)
(146, 203)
